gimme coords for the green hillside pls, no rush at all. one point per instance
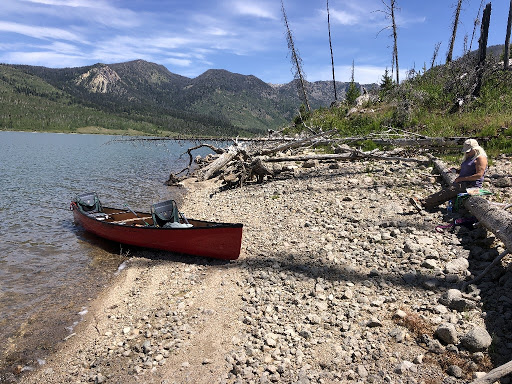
(438, 102)
(29, 103)
(146, 98)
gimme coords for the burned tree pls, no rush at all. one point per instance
(476, 24)
(296, 62)
(434, 56)
(507, 38)
(482, 51)
(454, 31)
(332, 57)
(389, 11)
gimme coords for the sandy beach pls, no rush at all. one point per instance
(339, 280)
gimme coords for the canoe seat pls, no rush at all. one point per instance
(89, 202)
(165, 212)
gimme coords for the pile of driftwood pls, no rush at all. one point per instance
(249, 159)
(246, 161)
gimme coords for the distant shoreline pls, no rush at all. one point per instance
(119, 132)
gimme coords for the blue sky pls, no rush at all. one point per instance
(241, 36)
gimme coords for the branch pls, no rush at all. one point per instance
(489, 267)
(295, 144)
(495, 374)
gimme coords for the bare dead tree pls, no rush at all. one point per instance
(296, 62)
(465, 48)
(476, 24)
(389, 11)
(434, 56)
(455, 24)
(482, 50)
(484, 34)
(507, 38)
(332, 57)
(395, 42)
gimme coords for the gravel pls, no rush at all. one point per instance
(340, 280)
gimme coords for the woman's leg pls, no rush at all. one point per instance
(442, 196)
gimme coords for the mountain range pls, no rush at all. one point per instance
(149, 98)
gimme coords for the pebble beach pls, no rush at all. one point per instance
(340, 280)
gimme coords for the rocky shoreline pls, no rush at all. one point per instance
(340, 280)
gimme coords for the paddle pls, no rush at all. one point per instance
(132, 211)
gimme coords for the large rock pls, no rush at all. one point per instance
(449, 296)
(477, 339)
(447, 333)
(457, 266)
(454, 299)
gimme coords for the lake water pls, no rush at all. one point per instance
(49, 268)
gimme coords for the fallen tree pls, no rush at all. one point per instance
(350, 154)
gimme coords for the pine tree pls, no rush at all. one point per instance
(353, 91)
(386, 83)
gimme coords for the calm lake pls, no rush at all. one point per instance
(49, 268)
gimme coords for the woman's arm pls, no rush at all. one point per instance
(481, 165)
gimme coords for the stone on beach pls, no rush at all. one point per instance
(336, 281)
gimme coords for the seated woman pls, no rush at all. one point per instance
(471, 174)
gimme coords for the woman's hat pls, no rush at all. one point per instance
(470, 144)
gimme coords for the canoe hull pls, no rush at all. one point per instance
(216, 240)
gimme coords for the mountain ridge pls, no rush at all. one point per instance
(217, 102)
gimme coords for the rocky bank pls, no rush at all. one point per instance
(340, 280)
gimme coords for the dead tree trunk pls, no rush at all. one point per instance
(434, 56)
(454, 32)
(495, 374)
(217, 165)
(296, 62)
(507, 38)
(332, 57)
(295, 144)
(395, 40)
(494, 218)
(351, 154)
(482, 51)
(476, 24)
(389, 11)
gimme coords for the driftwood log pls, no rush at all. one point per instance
(294, 144)
(487, 269)
(495, 374)
(351, 154)
(212, 168)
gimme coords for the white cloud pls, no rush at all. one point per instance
(255, 8)
(49, 59)
(178, 62)
(87, 10)
(67, 3)
(343, 17)
(38, 32)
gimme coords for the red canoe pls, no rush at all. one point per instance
(165, 229)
